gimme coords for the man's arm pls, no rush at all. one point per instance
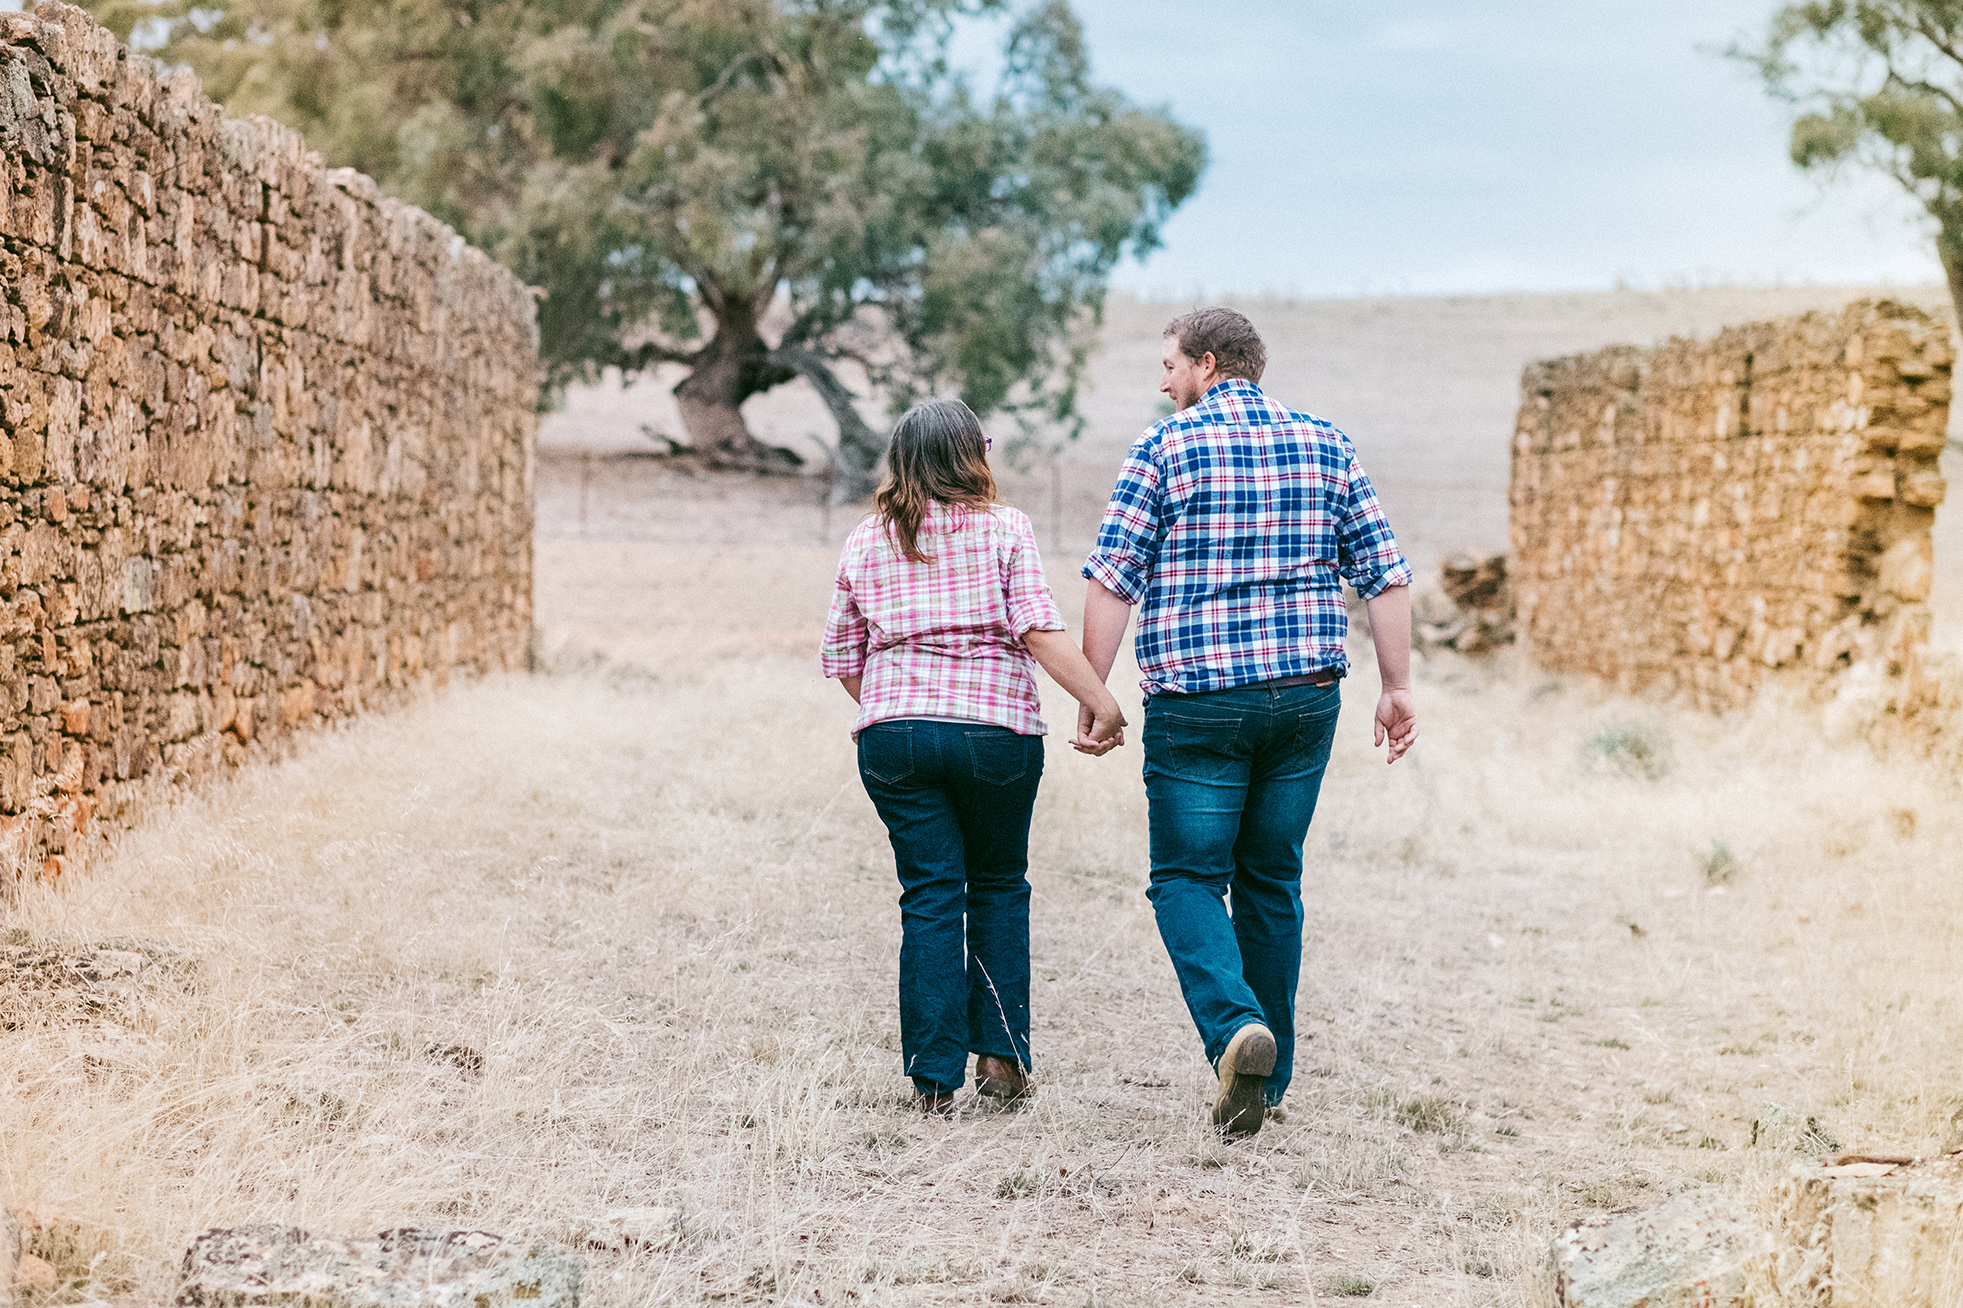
(1390, 632)
(1105, 619)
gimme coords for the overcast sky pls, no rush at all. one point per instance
(1426, 146)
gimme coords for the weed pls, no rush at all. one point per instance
(1611, 1042)
(1015, 1185)
(1431, 1113)
(1719, 865)
(1347, 1285)
(1632, 749)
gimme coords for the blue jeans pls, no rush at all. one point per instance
(955, 798)
(1231, 777)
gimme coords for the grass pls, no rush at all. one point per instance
(552, 945)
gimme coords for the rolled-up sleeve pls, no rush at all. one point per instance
(1367, 552)
(1129, 538)
(1026, 589)
(844, 652)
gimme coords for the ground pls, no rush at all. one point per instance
(622, 933)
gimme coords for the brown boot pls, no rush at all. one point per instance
(1244, 1069)
(998, 1078)
(934, 1105)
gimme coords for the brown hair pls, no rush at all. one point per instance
(1227, 335)
(937, 454)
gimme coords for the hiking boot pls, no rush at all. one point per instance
(934, 1105)
(998, 1078)
(1244, 1069)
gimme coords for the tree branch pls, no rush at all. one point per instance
(859, 448)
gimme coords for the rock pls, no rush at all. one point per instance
(1870, 1231)
(265, 1265)
(1688, 1251)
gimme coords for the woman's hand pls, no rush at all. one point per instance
(1100, 726)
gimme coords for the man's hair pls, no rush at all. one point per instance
(1227, 335)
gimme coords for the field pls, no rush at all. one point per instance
(621, 933)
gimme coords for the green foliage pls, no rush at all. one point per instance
(1632, 748)
(670, 170)
(1878, 84)
(1347, 1285)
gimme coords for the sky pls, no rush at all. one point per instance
(1398, 147)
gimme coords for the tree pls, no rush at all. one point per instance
(680, 176)
(1878, 83)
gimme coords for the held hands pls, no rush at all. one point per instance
(1100, 728)
(1397, 722)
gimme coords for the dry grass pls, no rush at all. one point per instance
(657, 906)
(623, 934)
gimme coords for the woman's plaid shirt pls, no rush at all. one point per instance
(943, 639)
(1232, 527)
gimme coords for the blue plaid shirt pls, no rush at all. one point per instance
(1233, 526)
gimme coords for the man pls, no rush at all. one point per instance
(1232, 527)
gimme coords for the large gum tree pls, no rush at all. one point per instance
(1879, 84)
(754, 190)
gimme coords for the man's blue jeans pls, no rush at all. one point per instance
(956, 798)
(1232, 778)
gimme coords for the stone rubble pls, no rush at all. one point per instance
(266, 440)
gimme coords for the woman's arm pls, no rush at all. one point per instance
(851, 684)
(1069, 668)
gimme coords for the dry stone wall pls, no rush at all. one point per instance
(1705, 516)
(266, 439)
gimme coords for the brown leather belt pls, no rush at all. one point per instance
(1322, 677)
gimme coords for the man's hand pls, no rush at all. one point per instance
(1097, 736)
(1397, 722)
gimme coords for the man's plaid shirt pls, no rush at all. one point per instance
(1232, 527)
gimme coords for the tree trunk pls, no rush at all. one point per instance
(855, 459)
(1949, 249)
(732, 367)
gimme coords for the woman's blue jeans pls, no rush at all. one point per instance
(1231, 777)
(956, 798)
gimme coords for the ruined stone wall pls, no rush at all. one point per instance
(266, 439)
(1708, 515)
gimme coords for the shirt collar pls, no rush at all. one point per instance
(1236, 385)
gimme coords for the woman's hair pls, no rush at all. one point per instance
(937, 454)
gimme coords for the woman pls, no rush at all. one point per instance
(939, 608)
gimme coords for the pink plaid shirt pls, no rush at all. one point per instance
(943, 639)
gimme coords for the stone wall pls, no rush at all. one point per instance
(266, 440)
(1705, 516)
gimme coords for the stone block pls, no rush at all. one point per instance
(271, 1266)
(1866, 1231)
(1693, 1251)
